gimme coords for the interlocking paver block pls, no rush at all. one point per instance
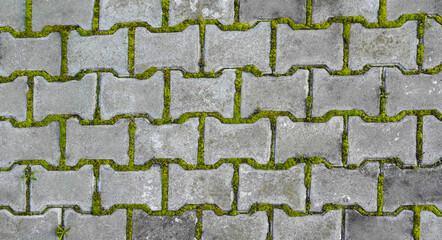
(310, 227)
(13, 99)
(61, 188)
(166, 141)
(430, 226)
(97, 142)
(432, 44)
(98, 52)
(355, 92)
(28, 54)
(309, 47)
(296, 139)
(180, 10)
(380, 46)
(242, 226)
(167, 50)
(73, 97)
(237, 140)
(395, 8)
(369, 140)
(432, 141)
(34, 143)
(66, 12)
(200, 187)
(286, 93)
(230, 49)
(12, 14)
(411, 187)
(177, 227)
(324, 9)
(13, 189)
(202, 94)
(116, 11)
(130, 187)
(344, 186)
(251, 11)
(30, 227)
(358, 226)
(273, 187)
(131, 96)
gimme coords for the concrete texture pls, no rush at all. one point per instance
(430, 226)
(432, 45)
(251, 11)
(12, 14)
(395, 8)
(432, 142)
(13, 189)
(181, 10)
(13, 99)
(325, 9)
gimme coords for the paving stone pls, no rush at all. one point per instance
(395, 8)
(34, 143)
(430, 226)
(432, 142)
(200, 187)
(345, 186)
(242, 226)
(30, 227)
(286, 93)
(29, 54)
(358, 226)
(166, 141)
(383, 46)
(232, 49)
(98, 52)
(66, 12)
(411, 187)
(12, 14)
(296, 139)
(355, 92)
(130, 187)
(432, 44)
(369, 140)
(13, 99)
(251, 11)
(272, 187)
(177, 227)
(57, 98)
(13, 189)
(181, 10)
(322, 10)
(97, 142)
(167, 50)
(116, 11)
(309, 47)
(85, 226)
(237, 140)
(62, 188)
(317, 226)
(202, 94)
(131, 96)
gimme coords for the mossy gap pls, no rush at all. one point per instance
(383, 93)
(96, 16)
(64, 53)
(131, 151)
(308, 12)
(344, 144)
(307, 184)
(28, 16)
(236, 6)
(30, 101)
(343, 224)
(167, 98)
(273, 142)
(419, 140)
(201, 62)
(165, 185)
(309, 99)
(235, 186)
(416, 223)
(97, 208)
(129, 224)
(237, 97)
(28, 189)
(346, 38)
(97, 114)
(62, 142)
(270, 213)
(165, 8)
(199, 224)
(380, 196)
(382, 12)
(131, 51)
(274, 28)
(201, 128)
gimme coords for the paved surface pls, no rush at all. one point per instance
(220, 119)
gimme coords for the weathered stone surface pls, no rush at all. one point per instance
(355, 92)
(309, 47)
(395, 8)
(13, 99)
(200, 187)
(296, 139)
(97, 142)
(317, 226)
(13, 189)
(98, 52)
(116, 11)
(411, 187)
(230, 49)
(39, 54)
(430, 226)
(130, 187)
(286, 93)
(66, 12)
(237, 140)
(178, 227)
(381, 46)
(131, 96)
(273, 187)
(251, 11)
(358, 226)
(166, 141)
(242, 226)
(432, 44)
(324, 9)
(344, 186)
(12, 14)
(432, 141)
(369, 140)
(34, 143)
(30, 227)
(167, 50)
(62, 188)
(180, 10)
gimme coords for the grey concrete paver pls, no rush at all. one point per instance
(324, 9)
(12, 14)
(181, 10)
(432, 44)
(13, 99)
(251, 11)
(431, 142)
(430, 226)
(13, 189)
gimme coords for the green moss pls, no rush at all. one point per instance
(380, 197)
(130, 152)
(165, 186)
(382, 12)
(131, 51)
(308, 13)
(199, 224)
(96, 17)
(201, 125)
(165, 7)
